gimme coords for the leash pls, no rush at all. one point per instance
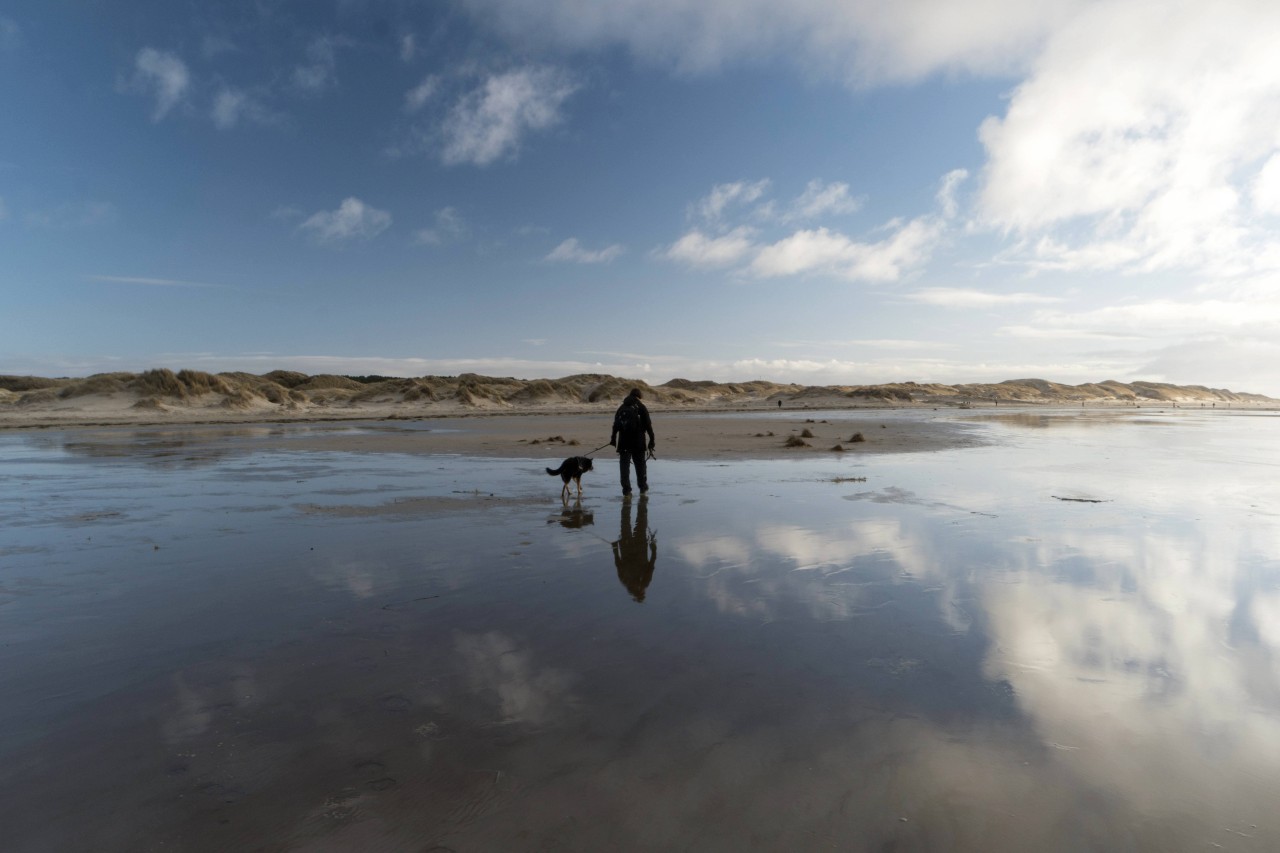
(651, 454)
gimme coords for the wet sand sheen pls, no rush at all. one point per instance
(234, 642)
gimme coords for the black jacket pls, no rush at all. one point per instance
(633, 441)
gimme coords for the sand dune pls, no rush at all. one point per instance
(162, 395)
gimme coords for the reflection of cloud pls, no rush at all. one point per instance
(191, 711)
(357, 577)
(815, 563)
(525, 694)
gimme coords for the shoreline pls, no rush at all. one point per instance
(706, 433)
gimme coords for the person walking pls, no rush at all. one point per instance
(630, 426)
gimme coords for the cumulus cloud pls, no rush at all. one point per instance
(905, 246)
(701, 250)
(1141, 132)
(162, 75)
(570, 250)
(490, 122)
(352, 220)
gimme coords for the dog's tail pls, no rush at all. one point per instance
(557, 471)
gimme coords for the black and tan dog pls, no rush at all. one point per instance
(571, 469)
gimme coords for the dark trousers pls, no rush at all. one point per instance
(625, 459)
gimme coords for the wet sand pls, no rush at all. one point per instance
(393, 636)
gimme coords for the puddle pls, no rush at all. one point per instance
(1064, 640)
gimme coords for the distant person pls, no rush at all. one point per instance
(630, 426)
(635, 554)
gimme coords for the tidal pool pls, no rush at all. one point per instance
(1068, 639)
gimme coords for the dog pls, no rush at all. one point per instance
(571, 469)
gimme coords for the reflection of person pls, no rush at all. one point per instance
(575, 517)
(630, 425)
(636, 552)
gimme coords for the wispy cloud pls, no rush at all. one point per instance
(319, 72)
(353, 220)
(163, 76)
(819, 200)
(82, 214)
(417, 97)
(232, 106)
(408, 47)
(859, 41)
(953, 297)
(10, 34)
(570, 250)
(726, 196)
(148, 282)
(449, 226)
(490, 122)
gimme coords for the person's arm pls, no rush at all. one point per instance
(648, 427)
(613, 434)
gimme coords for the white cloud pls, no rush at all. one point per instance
(448, 228)
(908, 246)
(699, 250)
(418, 96)
(162, 75)
(490, 122)
(860, 41)
(724, 196)
(1138, 136)
(951, 297)
(571, 251)
(1266, 188)
(352, 220)
(819, 200)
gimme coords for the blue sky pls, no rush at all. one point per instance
(820, 192)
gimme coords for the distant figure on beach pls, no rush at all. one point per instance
(630, 426)
(635, 554)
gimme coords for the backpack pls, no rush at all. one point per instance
(627, 420)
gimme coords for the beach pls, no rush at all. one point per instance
(975, 630)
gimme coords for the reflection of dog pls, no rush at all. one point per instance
(571, 469)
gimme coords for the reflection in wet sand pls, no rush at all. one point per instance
(635, 552)
(942, 658)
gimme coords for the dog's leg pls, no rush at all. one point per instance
(564, 492)
(578, 482)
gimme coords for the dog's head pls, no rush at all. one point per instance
(584, 462)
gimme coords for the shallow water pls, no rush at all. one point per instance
(1067, 640)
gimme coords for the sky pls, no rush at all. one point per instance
(818, 191)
